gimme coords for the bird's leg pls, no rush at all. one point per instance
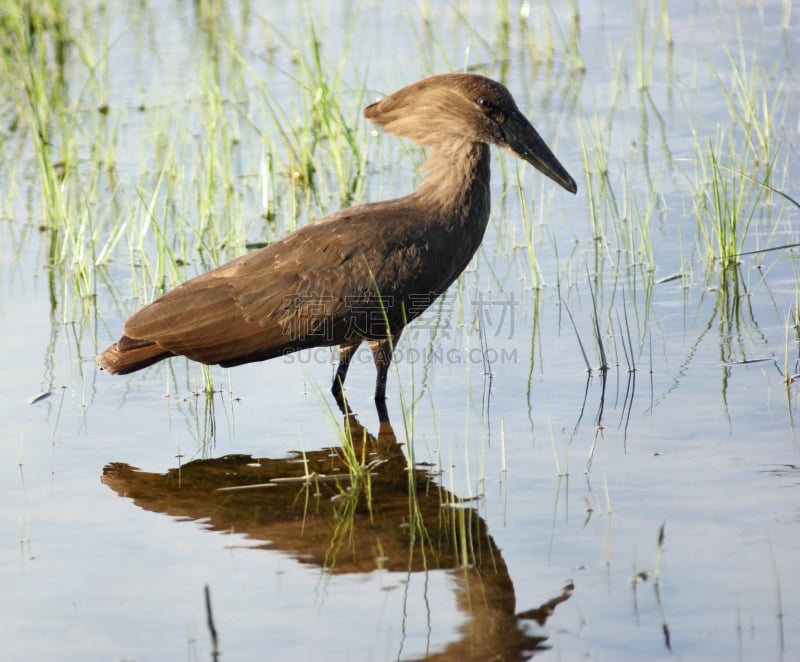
(337, 388)
(382, 355)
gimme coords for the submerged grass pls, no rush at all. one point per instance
(326, 145)
(727, 208)
(193, 195)
(736, 171)
(34, 46)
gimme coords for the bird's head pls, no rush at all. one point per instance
(453, 109)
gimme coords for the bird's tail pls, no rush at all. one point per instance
(129, 355)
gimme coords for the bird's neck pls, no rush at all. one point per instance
(456, 187)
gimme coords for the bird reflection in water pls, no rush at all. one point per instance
(346, 509)
(362, 273)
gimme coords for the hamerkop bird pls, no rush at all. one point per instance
(364, 272)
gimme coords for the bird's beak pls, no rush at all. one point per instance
(525, 142)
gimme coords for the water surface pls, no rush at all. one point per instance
(558, 480)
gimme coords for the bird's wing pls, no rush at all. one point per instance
(300, 291)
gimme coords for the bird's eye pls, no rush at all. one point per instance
(484, 103)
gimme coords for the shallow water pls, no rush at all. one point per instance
(567, 479)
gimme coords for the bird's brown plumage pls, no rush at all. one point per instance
(361, 273)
